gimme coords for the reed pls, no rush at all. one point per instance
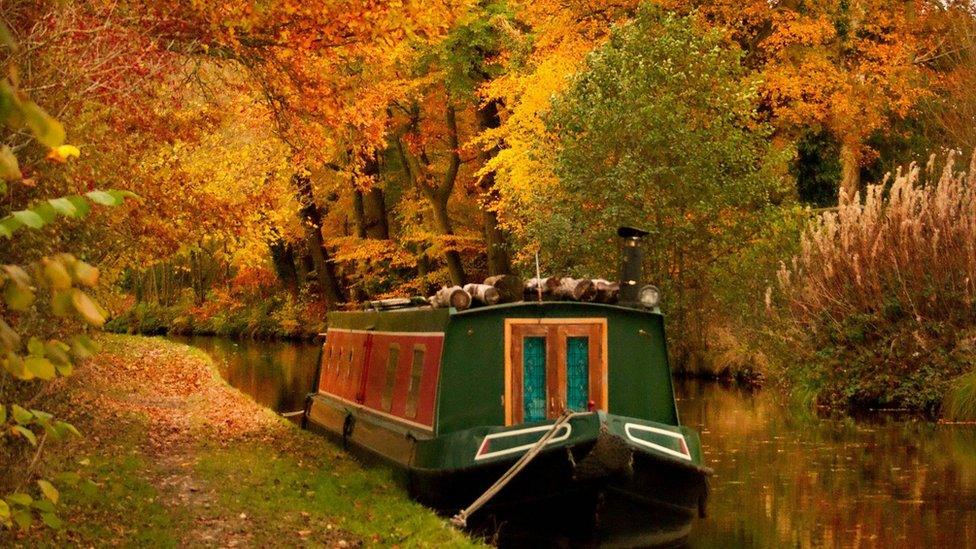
(960, 403)
(896, 267)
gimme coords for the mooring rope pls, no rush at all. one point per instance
(461, 519)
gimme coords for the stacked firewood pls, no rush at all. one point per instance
(511, 289)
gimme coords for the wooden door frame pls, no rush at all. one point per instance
(598, 382)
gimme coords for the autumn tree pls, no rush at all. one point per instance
(660, 130)
(849, 67)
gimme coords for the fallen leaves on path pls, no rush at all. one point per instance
(172, 398)
(178, 392)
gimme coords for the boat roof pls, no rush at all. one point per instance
(428, 319)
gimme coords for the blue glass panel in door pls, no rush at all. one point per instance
(577, 373)
(534, 378)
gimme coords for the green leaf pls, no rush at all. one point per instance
(10, 106)
(57, 352)
(43, 505)
(21, 415)
(23, 519)
(17, 274)
(42, 368)
(9, 339)
(15, 365)
(53, 431)
(18, 298)
(51, 520)
(35, 347)
(89, 488)
(49, 491)
(4, 511)
(42, 416)
(9, 166)
(45, 128)
(20, 498)
(64, 207)
(65, 369)
(26, 433)
(56, 274)
(9, 225)
(89, 310)
(104, 198)
(82, 347)
(61, 302)
(70, 478)
(45, 211)
(80, 204)
(29, 218)
(68, 428)
(121, 195)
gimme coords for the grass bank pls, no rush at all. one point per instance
(172, 456)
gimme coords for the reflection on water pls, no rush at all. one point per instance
(782, 478)
(786, 479)
(277, 374)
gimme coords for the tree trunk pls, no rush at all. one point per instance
(496, 241)
(437, 194)
(373, 203)
(303, 264)
(377, 218)
(358, 211)
(283, 258)
(369, 206)
(311, 217)
(453, 259)
(369, 213)
(850, 160)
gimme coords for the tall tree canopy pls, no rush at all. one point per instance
(661, 130)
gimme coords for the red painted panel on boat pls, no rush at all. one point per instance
(361, 381)
(376, 382)
(342, 364)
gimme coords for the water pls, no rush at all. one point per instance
(277, 374)
(783, 478)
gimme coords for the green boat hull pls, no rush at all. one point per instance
(600, 473)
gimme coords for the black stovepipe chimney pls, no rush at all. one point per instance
(631, 264)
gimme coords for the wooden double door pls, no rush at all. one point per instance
(554, 365)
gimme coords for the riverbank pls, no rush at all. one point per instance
(272, 318)
(173, 456)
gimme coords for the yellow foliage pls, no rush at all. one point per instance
(563, 34)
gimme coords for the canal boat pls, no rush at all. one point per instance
(453, 399)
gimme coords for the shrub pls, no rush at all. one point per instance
(880, 298)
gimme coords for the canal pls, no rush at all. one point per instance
(783, 477)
